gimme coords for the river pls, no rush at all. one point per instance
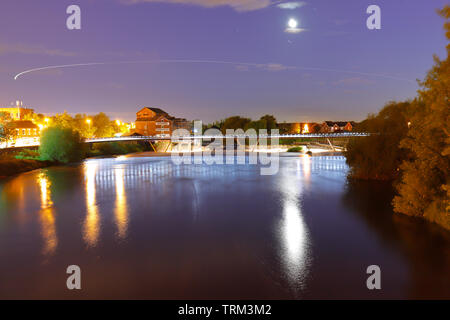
(146, 228)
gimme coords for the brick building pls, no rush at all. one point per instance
(157, 122)
(16, 112)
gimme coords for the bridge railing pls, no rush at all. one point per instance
(281, 136)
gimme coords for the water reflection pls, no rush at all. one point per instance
(217, 232)
(91, 227)
(293, 229)
(306, 165)
(121, 210)
(46, 215)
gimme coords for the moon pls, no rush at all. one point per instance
(292, 23)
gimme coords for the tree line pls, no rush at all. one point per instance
(411, 145)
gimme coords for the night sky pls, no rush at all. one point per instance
(336, 69)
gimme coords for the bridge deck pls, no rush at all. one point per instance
(209, 137)
(267, 136)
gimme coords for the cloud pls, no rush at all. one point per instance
(353, 81)
(242, 68)
(238, 5)
(272, 67)
(294, 30)
(291, 5)
(340, 22)
(30, 49)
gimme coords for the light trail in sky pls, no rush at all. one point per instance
(267, 66)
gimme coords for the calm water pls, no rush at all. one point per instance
(146, 228)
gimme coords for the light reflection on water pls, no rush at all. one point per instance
(121, 210)
(197, 231)
(294, 232)
(91, 227)
(46, 215)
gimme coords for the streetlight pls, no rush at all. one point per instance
(88, 121)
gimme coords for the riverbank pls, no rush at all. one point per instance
(15, 166)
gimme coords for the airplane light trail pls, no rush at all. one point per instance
(255, 65)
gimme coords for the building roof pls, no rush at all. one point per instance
(155, 110)
(22, 124)
(338, 123)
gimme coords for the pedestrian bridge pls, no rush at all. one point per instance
(35, 141)
(207, 137)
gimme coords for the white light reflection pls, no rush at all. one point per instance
(306, 164)
(121, 210)
(293, 232)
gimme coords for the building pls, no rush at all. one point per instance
(298, 127)
(337, 126)
(157, 122)
(181, 123)
(16, 112)
(24, 129)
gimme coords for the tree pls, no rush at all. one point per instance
(270, 121)
(104, 127)
(63, 120)
(235, 122)
(61, 144)
(7, 133)
(265, 122)
(424, 190)
(5, 116)
(379, 156)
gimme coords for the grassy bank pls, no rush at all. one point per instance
(16, 166)
(24, 160)
(115, 148)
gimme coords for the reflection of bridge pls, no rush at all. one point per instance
(206, 137)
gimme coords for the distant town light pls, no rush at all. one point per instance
(306, 128)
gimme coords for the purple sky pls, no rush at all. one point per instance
(33, 34)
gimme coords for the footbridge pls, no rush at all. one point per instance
(234, 136)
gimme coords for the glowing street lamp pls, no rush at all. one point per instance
(305, 128)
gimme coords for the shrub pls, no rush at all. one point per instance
(28, 154)
(61, 144)
(114, 148)
(295, 149)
